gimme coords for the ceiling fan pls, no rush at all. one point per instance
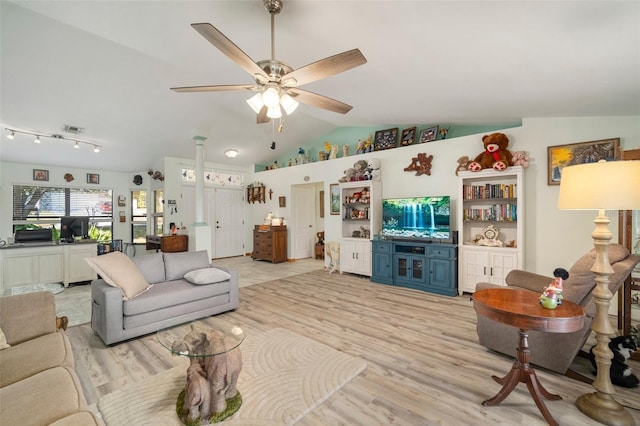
(276, 82)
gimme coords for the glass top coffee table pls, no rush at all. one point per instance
(210, 393)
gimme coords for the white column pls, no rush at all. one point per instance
(200, 235)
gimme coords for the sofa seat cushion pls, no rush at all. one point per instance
(81, 418)
(171, 293)
(42, 399)
(33, 356)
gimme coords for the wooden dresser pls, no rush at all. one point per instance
(168, 243)
(270, 243)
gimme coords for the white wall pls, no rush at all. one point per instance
(121, 184)
(554, 238)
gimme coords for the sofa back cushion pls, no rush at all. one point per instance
(581, 280)
(151, 266)
(178, 264)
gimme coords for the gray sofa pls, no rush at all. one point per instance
(169, 297)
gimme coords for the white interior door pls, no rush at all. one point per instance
(304, 207)
(227, 225)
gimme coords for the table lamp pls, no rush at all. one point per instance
(601, 186)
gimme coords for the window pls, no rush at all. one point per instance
(138, 217)
(43, 206)
(215, 177)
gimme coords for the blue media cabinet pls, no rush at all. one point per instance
(431, 267)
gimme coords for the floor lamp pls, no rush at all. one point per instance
(601, 186)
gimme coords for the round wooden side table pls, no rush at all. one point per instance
(521, 309)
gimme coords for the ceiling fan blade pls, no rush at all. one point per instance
(319, 101)
(262, 116)
(326, 67)
(221, 88)
(226, 46)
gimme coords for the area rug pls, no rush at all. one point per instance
(54, 288)
(284, 377)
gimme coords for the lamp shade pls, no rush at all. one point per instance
(613, 185)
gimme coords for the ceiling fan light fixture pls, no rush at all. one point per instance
(231, 153)
(274, 112)
(255, 102)
(271, 98)
(288, 103)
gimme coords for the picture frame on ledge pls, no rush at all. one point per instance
(93, 178)
(408, 136)
(429, 134)
(385, 139)
(560, 156)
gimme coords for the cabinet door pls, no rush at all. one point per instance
(19, 270)
(50, 268)
(381, 268)
(500, 265)
(76, 269)
(440, 274)
(410, 270)
(347, 256)
(474, 269)
(355, 257)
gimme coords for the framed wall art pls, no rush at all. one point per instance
(408, 136)
(385, 139)
(282, 202)
(560, 156)
(42, 175)
(429, 135)
(93, 178)
(321, 203)
(334, 194)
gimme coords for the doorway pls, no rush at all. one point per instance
(306, 219)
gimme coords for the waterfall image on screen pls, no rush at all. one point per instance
(417, 218)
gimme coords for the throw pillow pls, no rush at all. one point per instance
(3, 341)
(118, 270)
(207, 276)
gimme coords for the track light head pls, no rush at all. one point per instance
(37, 139)
(11, 135)
(273, 145)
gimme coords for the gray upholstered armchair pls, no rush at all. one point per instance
(556, 351)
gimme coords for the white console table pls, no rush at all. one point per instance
(35, 263)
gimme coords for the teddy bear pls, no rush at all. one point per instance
(349, 175)
(463, 162)
(520, 159)
(495, 154)
(373, 169)
(360, 166)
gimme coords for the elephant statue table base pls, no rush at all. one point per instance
(210, 394)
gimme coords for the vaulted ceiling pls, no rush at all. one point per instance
(107, 66)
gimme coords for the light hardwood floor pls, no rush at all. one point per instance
(425, 366)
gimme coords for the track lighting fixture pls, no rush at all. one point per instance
(12, 132)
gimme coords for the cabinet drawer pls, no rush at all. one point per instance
(381, 247)
(439, 252)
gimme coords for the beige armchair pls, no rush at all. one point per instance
(556, 351)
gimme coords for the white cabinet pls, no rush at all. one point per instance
(490, 204)
(75, 267)
(50, 263)
(485, 265)
(361, 213)
(355, 256)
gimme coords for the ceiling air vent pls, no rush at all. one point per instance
(73, 129)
